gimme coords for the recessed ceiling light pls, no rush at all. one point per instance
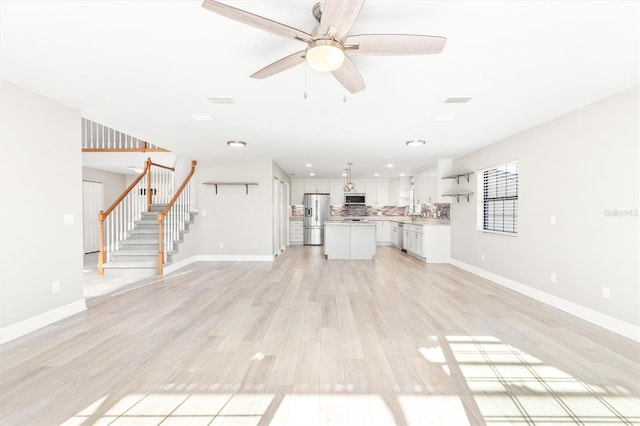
(221, 99)
(389, 165)
(376, 174)
(344, 174)
(312, 174)
(401, 174)
(237, 144)
(202, 116)
(457, 100)
(308, 165)
(415, 142)
(444, 117)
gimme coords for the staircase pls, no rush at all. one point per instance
(139, 250)
(143, 227)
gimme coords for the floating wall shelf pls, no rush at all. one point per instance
(458, 176)
(245, 184)
(458, 195)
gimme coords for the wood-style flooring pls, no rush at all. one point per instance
(306, 341)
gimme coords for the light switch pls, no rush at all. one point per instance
(553, 220)
(68, 219)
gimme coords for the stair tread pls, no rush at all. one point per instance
(135, 253)
(132, 265)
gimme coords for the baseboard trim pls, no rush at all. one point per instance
(21, 328)
(234, 258)
(607, 322)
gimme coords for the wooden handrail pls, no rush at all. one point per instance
(164, 213)
(103, 214)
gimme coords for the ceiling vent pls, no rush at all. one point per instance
(457, 100)
(221, 100)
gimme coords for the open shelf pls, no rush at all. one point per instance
(245, 184)
(458, 195)
(458, 176)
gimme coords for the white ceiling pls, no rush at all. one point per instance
(144, 67)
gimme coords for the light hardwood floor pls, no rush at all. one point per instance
(306, 341)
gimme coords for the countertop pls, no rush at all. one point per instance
(399, 219)
(349, 223)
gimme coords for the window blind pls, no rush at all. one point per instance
(498, 203)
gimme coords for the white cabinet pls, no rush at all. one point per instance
(336, 190)
(377, 193)
(296, 232)
(429, 242)
(383, 232)
(413, 242)
(350, 241)
(360, 186)
(317, 186)
(399, 191)
(437, 243)
(297, 192)
(395, 234)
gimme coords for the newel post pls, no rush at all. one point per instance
(160, 248)
(101, 254)
(148, 168)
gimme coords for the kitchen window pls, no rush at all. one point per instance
(497, 209)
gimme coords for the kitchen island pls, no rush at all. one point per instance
(350, 240)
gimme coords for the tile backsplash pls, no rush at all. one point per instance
(430, 210)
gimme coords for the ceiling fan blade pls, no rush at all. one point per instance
(255, 20)
(339, 14)
(280, 65)
(394, 44)
(349, 76)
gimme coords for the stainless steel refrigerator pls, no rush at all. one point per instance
(316, 212)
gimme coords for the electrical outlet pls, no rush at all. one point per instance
(221, 244)
(553, 220)
(606, 292)
(554, 277)
(204, 213)
(482, 256)
(55, 286)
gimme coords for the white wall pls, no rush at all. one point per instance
(243, 223)
(41, 179)
(113, 184)
(575, 167)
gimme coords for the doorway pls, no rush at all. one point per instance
(92, 203)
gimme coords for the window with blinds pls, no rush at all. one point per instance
(498, 198)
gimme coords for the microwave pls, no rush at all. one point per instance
(354, 199)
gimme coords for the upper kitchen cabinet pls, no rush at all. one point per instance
(377, 193)
(317, 186)
(336, 191)
(399, 191)
(360, 186)
(426, 186)
(297, 192)
(429, 186)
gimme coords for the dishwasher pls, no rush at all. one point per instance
(401, 237)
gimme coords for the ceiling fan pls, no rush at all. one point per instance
(329, 46)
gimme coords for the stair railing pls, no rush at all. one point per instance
(117, 220)
(172, 220)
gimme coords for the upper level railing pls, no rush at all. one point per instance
(97, 137)
(173, 219)
(150, 187)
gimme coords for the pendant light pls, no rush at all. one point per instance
(349, 186)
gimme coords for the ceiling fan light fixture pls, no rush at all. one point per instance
(325, 55)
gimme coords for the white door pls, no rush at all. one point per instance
(92, 203)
